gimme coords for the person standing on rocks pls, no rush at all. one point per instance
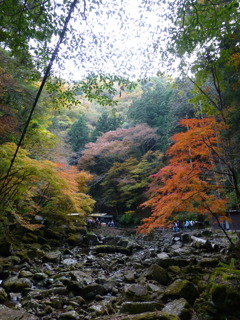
(175, 226)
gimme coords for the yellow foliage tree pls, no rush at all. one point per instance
(41, 187)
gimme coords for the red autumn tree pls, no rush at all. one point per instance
(190, 183)
(117, 145)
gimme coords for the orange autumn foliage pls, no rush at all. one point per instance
(189, 183)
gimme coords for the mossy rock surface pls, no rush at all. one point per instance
(182, 289)
(14, 260)
(136, 292)
(15, 284)
(174, 269)
(225, 291)
(220, 300)
(225, 297)
(158, 274)
(52, 256)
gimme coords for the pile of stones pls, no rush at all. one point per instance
(189, 275)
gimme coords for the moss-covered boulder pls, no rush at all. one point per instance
(225, 296)
(158, 274)
(181, 289)
(220, 299)
(25, 274)
(39, 276)
(52, 256)
(14, 260)
(15, 284)
(136, 292)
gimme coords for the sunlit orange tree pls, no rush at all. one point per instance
(193, 181)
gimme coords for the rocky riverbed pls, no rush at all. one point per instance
(107, 274)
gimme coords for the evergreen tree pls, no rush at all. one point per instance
(106, 123)
(153, 108)
(79, 133)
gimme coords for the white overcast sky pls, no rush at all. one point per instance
(117, 37)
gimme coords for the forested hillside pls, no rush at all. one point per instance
(161, 148)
